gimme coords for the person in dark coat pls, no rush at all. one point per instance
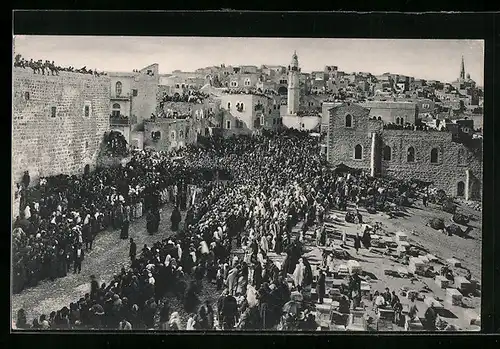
(175, 219)
(133, 250)
(229, 312)
(78, 255)
(321, 286)
(156, 220)
(366, 239)
(150, 222)
(430, 318)
(125, 222)
(87, 236)
(357, 242)
(94, 287)
(257, 276)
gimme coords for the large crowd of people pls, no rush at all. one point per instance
(278, 181)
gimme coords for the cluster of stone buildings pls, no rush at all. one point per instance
(58, 121)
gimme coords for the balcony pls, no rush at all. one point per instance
(122, 120)
(122, 97)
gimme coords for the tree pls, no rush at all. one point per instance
(115, 144)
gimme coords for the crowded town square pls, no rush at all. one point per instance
(208, 206)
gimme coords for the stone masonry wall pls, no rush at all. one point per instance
(46, 145)
(453, 158)
(144, 104)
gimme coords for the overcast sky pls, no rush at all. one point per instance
(427, 59)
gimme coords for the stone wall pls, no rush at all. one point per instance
(454, 159)
(173, 133)
(309, 122)
(50, 132)
(144, 104)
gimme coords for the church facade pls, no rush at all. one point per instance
(357, 140)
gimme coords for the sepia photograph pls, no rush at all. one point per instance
(246, 184)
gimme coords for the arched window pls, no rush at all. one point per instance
(387, 153)
(181, 134)
(228, 105)
(410, 157)
(460, 188)
(247, 82)
(434, 155)
(116, 110)
(358, 151)
(118, 88)
(397, 121)
(234, 84)
(348, 120)
(156, 135)
(380, 118)
(172, 135)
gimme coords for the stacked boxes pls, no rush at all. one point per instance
(416, 266)
(365, 289)
(401, 237)
(342, 270)
(354, 267)
(442, 281)
(463, 285)
(413, 325)
(453, 296)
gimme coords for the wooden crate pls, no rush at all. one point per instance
(384, 325)
(463, 284)
(415, 325)
(442, 282)
(453, 296)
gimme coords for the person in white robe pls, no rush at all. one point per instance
(264, 244)
(329, 263)
(298, 274)
(251, 296)
(27, 212)
(191, 322)
(179, 251)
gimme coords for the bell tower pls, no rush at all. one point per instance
(293, 86)
(462, 70)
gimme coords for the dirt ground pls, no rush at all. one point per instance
(465, 250)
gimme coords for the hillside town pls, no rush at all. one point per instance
(236, 198)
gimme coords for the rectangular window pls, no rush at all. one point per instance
(228, 124)
(134, 92)
(87, 111)
(53, 111)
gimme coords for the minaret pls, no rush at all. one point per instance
(462, 70)
(293, 86)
